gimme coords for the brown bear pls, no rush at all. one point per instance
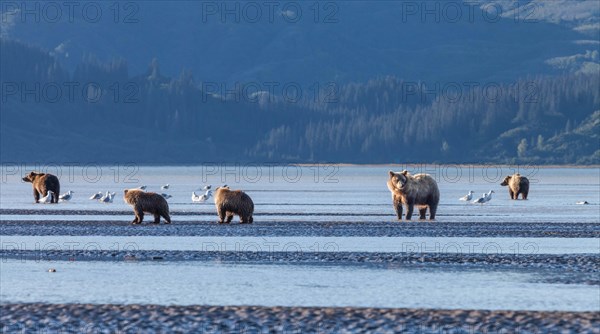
(43, 182)
(233, 202)
(517, 184)
(148, 202)
(410, 190)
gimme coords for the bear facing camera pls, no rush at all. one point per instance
(408, 190)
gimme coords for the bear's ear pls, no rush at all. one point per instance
(391, 174)
(517, 174)
(404, 172)
(125, 191)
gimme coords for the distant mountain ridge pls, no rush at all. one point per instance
(352, 81)
(341, 41)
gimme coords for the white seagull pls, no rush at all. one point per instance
(207, 187)
(201, 198)
(66, 196)
(488, 196)
(97, 195)
(107, 198)
(583, 203)
(48, 198)
(165, 187)
(467, 197)
(481, 199)
(206, 195)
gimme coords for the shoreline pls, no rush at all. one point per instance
(303, 164)
(73, 318)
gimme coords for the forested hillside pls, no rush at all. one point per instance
(101, 112)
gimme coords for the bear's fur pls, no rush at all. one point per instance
(43, 182)
(149, 202)
(517, 184)
(410, 190)
(233, 202)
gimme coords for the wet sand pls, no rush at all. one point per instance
(106, 318)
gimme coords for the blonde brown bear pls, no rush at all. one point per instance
(410, 190)
(517, 184)
(233, 202)
(149, 202)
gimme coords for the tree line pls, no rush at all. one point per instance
(103, 113)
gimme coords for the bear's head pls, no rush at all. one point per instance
(32, 176)
(399, 179)
(506, 181)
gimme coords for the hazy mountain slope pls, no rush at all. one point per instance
(367, 39)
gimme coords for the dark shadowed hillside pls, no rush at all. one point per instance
(330, 81)
(310, 42)
(101, 112)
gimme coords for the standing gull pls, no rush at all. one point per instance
(201, 198)
(467, 197)
(66, 197)
(206, 195)
(48, 198)
(488, 196)
(165, 187)
(481, 199)
(107, 198)
(97, 195)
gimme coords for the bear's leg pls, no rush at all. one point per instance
(409, 211)
(229, 217)
(250, 220)
(510, 193)
(221, 213)
(55, 197)
(139, 215)
(156, 218)
(166, 217)
(432, 211)
(422, 213)
(524, 195)
(398, 208)
(36, 195)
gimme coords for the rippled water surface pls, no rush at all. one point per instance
(321, 193)
(307, 194)
(186, 283)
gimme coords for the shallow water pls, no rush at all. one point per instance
(187, 283)
(307, 194)
(442, 245)
(355, 193)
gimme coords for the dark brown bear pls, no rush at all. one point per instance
(517, 184)
(42, 183)
(233, 202)
(149, 202)
(410, 190)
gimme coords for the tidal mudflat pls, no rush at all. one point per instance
(321, 256)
